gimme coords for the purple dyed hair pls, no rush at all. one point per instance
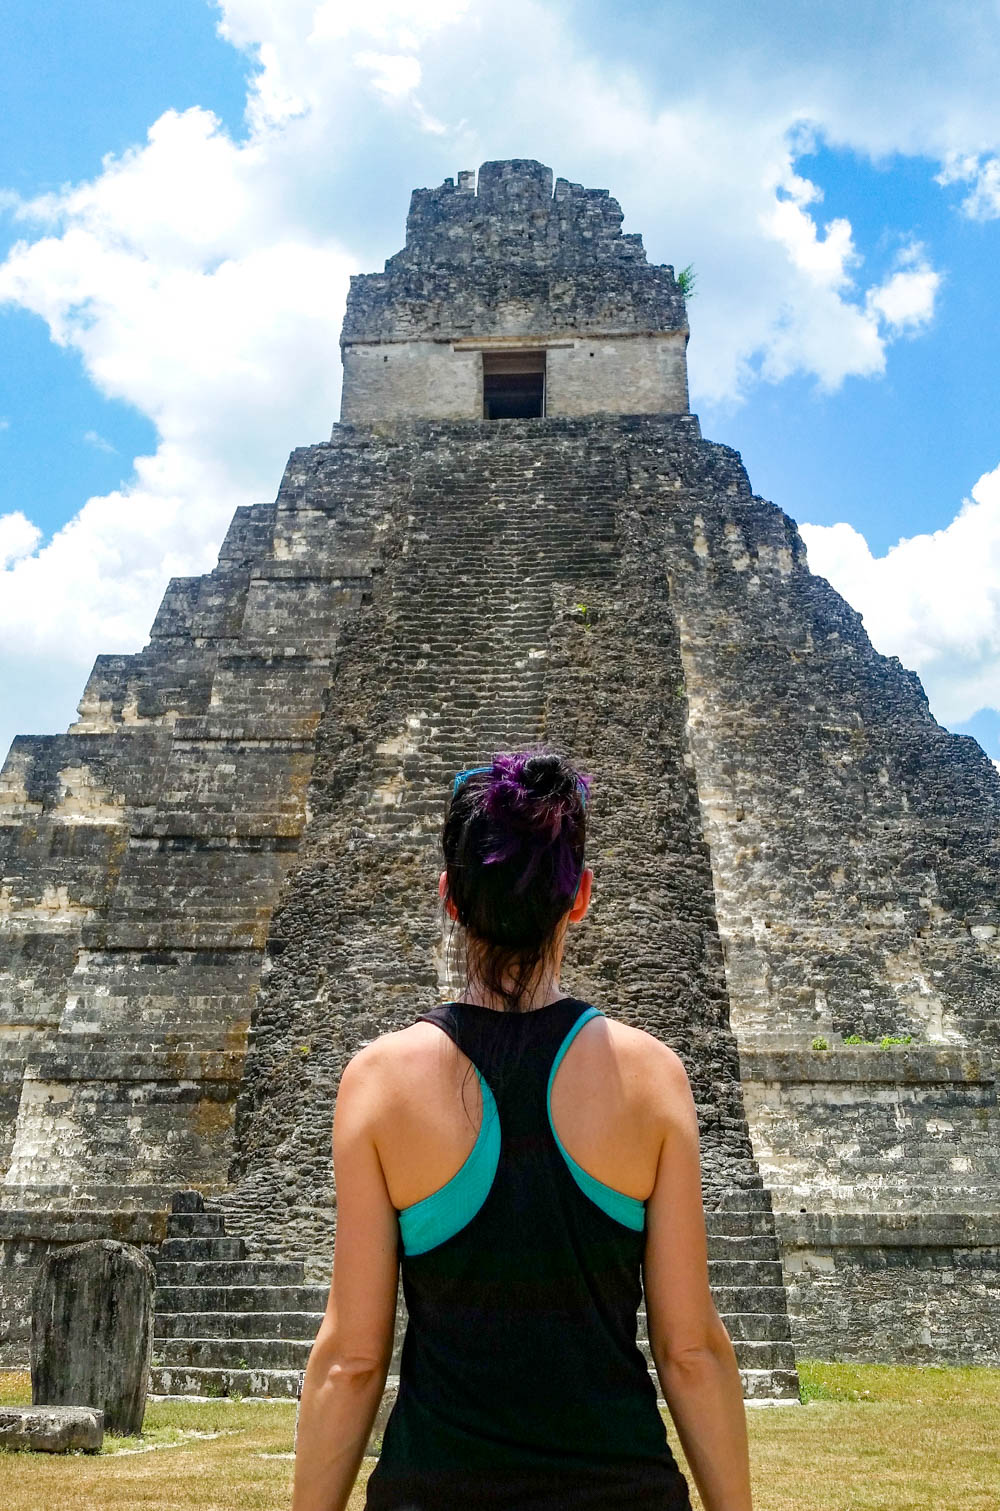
(532, 823)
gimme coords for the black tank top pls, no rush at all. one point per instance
(521, 1383)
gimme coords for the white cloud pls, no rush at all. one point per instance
(165, 275)
(933, 600)
(99, 443)
(818, 329)
(201, 278)
(983, 173)
(906, 299)
(394, 74)
(98, 575)
(824, 259)
(225, 429)
(301, 47)
(18, 537)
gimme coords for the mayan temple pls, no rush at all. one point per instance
(222, 880)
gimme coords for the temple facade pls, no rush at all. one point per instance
(221, 881)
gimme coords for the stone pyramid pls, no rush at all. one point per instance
(221, 881)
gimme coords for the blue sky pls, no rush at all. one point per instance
(894, 454)
(79, 82)
(185, 189)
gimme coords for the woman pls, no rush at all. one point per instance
(525, 1159)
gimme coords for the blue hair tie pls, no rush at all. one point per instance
(464, 776)
(475, 770)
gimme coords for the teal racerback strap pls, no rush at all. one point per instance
(624, 1209)
(448, 1210)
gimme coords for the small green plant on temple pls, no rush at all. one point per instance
(686, 280)
(885, 1041)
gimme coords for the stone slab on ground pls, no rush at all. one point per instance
(52, 1429)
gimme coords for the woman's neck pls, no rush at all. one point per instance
(539, 990)
(541, 994)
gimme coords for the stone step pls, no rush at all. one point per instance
(412, 643)
(743, 1246)
(234, 1353)
(227, 1299)
(757, 1327)
(747, 1199)
(426, 689)
(765, 1353)
(743, 1328)
(188, 1249)
(97, 1198)
(761, 1325)
(744, 1272)
(187, 1201)
(259, 1384)
(195, 1225)
(509, 633)
(733, 1224)
(455, 714)
(759, 1384)
(227, 1273)
(255, 1325)
(749, 1298)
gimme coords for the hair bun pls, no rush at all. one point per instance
(531, 793)
(545, 776)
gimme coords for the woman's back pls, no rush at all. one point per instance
(529, 1166)
(600, 1105)
(521, 1194)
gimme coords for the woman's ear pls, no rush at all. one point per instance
(582, 902)
(449, 906)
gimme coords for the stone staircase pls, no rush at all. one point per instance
(744, 1271)
(511, 555)
(227, 1324)
(471, 648)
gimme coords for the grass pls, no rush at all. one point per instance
(870, 1437)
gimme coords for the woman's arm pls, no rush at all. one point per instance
(691, 1348)
(346, 1372)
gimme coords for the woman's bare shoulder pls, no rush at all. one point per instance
(402, 1051)
(639, 1042)
(657, 1067)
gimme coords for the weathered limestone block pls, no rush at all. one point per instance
(92, 1331)
(893, 1287)
(51, 1429)
(859, 1127)
(854, 841)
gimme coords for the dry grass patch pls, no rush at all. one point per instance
(210, 1455)
(15, 1387)
(876, 1437)
(870, 1438)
